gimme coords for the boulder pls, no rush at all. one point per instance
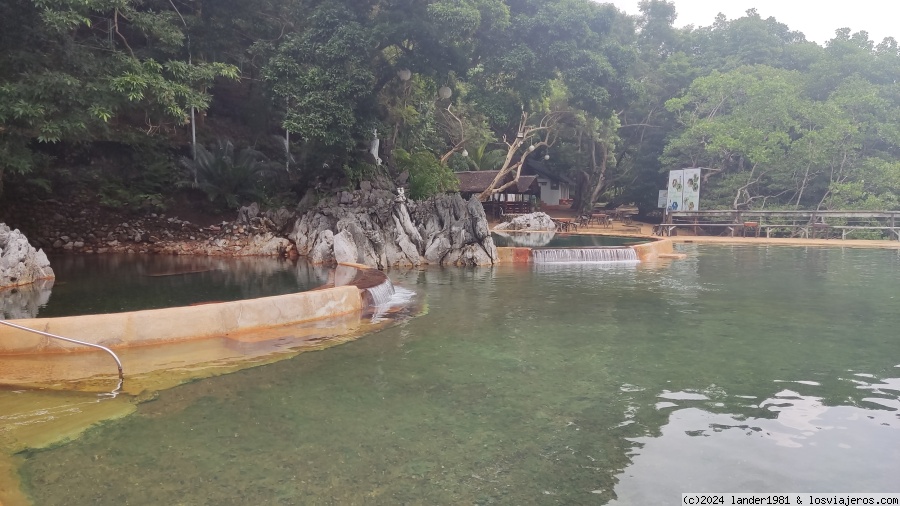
(533, 222)
(247, 213)
(20, 263)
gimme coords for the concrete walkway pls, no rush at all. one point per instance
(639, 229)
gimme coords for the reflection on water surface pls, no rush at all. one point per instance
(744, 369)
(552, 239)
(91, 284)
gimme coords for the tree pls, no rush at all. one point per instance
(322, 78)
(767, 142)
(227, 178)
(83, 70)
(529, 138)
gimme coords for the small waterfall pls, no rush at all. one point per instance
(584, 255)
(380, 295)
(385, 299)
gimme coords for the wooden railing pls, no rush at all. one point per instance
(824, 224)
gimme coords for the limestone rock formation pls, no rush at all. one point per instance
(20, 263)
(533, 221)
(376, 228)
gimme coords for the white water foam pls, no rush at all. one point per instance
(386, 297)
(585, 255)
(381, 294)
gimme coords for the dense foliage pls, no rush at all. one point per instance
(614, 100)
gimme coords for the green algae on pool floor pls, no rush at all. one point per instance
(738, 369)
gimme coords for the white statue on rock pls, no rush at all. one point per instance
(374, 147)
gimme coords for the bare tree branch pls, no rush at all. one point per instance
(116, 25)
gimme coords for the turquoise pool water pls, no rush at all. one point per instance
(90, 284)
(739, 369)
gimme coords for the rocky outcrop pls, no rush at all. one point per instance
(373, 227)
(533, 221)
(20, 263)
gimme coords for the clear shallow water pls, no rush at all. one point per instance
(91, 284)
(737, 369)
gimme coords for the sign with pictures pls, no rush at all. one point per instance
(683, 190)
(676, 190)
(663, 199)
(690, 200)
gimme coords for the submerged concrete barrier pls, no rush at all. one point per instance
(158, 326)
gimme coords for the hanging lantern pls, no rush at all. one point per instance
(531, 148)
(465, 153)
(404, 74)
(445, 92)
(546, 157)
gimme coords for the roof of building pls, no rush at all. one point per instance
(533, 167)
(477, 181)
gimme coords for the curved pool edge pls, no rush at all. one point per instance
(51, 391)
(188, 323)
(650, 251)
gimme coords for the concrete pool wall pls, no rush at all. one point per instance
(177, 324)
(651, 250)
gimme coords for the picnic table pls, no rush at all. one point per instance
(602, 219)
(626, 213)
(564, 224)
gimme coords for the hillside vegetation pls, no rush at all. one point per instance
(100, 101)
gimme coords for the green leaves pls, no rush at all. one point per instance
(771, 142)
(227, 178)
(70, 68)
(427, 177)
(323, 78)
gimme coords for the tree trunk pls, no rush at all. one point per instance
(601, 180)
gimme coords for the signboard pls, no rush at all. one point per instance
(683, 191)
(690, 200)
(663, 199)
(676, 190)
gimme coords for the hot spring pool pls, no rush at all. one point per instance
(558, 240)
(91, 284)
(740, 369)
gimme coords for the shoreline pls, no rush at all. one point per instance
(645, 230)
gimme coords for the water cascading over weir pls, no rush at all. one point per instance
(380, 294)
(624, 255)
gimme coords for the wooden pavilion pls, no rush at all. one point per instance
(517, 199)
